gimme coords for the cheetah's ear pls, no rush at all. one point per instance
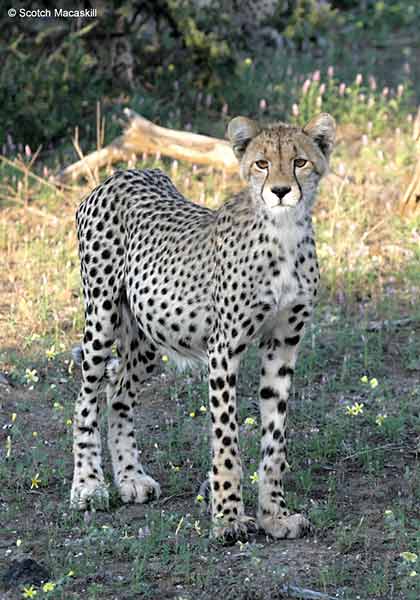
(322, 130)
(240, 132)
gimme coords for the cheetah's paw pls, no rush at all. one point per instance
(139, 489)
(92, 493)
(238, 530)
(285, 527)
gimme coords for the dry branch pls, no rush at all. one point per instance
(142, 136)
(411, 198)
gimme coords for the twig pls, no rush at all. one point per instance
(389, 324)
(366, 450)
(372, 229)
(183, 495)
(416, 127)
(32, 209)
(80, 154)
(303, 593)
(24, 169)
(100, 127)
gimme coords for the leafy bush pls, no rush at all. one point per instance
(310, 21)
(195, 66)
(43, 97)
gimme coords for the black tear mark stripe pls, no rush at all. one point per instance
(297, 181)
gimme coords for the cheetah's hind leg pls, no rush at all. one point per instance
(138, 359)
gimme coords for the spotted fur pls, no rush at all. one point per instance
(162, 275)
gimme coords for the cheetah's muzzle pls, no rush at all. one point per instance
(162, 275)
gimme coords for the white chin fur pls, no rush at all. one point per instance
(273, 201)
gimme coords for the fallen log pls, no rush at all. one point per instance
(142, 136)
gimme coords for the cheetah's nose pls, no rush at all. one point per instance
(280, 192)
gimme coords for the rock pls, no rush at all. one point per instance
(25, 572)
(4, 380)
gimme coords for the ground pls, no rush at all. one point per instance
(356, 475)
(353, 428)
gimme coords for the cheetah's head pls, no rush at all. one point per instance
(281, 163)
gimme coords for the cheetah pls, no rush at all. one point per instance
(162, 275)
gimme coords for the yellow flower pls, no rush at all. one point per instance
(380, 419)
(248, 62)
(35, 481)
(254, 478)
(18, 543)
(34, 434)
(355, 409)
(171, 68)
(14, 415)
(388, 513)
(57, 406)
(250, 421)
(409, 557)
(51, 353)
(29, 592)
(364, 379)
(48, 587)
(174, 467)
(70, 574)
(203, 409)
(192, 414)
(69, 422)
(412, 573)
(200, 498)
(165, 358)
(373, 383)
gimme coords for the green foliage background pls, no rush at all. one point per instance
(192, 62)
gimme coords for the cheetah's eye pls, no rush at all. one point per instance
(262, 164)
(300, 162)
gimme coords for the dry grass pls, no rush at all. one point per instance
(367, 251)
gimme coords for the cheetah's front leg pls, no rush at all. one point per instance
(229, 520)
(278, 360)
